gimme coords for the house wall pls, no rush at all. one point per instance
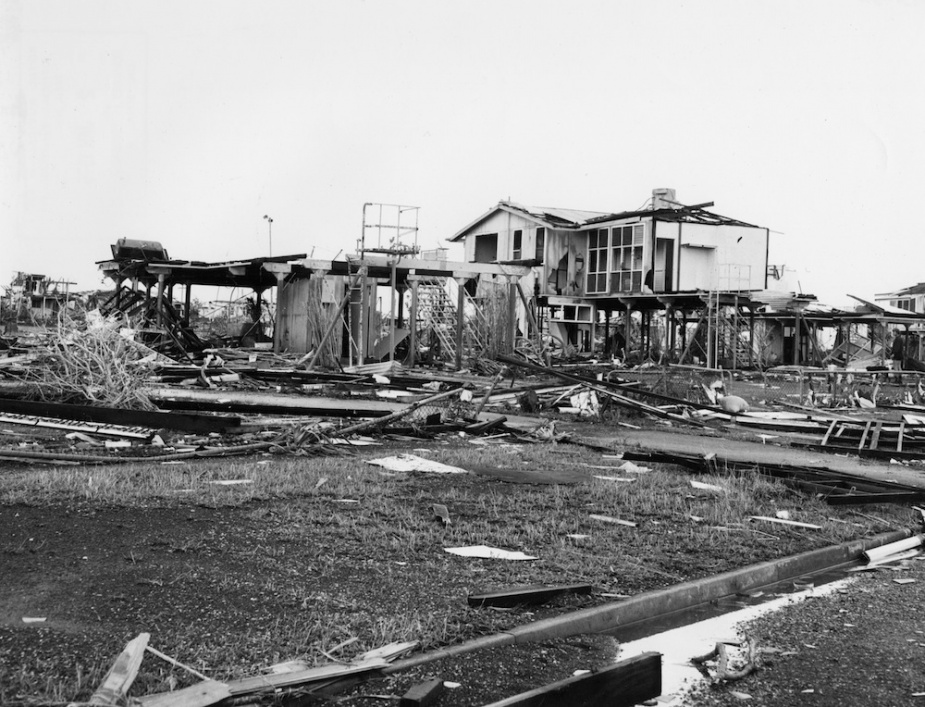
(721, 257)
(504, 223)
(304, 308)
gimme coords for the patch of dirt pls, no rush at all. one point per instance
(193, 577)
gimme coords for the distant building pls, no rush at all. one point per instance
(911, 299)
(31, 296)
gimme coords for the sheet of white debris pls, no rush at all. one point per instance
(489, 553)
(410, 462)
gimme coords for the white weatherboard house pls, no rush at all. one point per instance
(588, 261)
(910, 299)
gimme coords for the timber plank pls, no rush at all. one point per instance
(201, 694)
(623, 684)
(533, 594)
(829, 432)
(119, 416)
(875, 439)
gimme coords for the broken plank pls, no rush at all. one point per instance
(829, 432)
(899, 436)
(122, 674)
(856, 499)
(77, 426)
(422, 694)
(246, 401)
(622, 684)
(611, 519)
(121, 416)
(782, 521)
(875, 438)
(864, 434)
(264, 683)
(201, 694)
(532, 594)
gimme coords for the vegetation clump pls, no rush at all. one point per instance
(95, 361)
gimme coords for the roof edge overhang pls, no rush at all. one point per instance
(516, 211)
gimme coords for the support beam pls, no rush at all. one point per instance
(413, 324)
(460, 319)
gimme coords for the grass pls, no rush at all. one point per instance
(319, 550)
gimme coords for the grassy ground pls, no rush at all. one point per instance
(319, 552)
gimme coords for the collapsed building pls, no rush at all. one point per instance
(668, 283)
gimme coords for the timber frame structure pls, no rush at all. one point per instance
(146, 280)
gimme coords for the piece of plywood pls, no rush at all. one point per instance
(622, 684)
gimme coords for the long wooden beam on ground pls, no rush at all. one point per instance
(624, 684)
(120, 416)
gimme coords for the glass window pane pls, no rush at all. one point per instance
(637, 281)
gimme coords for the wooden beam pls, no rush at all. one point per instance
(864, 435)
(122, 674)
(533, 594)
(875, 438)
(622, 684)
(829, 432)
(201, 694)
(119, 416)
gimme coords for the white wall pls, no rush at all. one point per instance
(729, 257)
(504, 224)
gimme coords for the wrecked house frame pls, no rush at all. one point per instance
(671, 283)
(587, 266)
(329, 310)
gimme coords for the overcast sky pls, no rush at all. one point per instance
(186, 122)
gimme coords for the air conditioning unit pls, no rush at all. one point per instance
(130, 249)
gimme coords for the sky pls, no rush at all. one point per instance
(186, 122)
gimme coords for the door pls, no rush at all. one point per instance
(664, 265)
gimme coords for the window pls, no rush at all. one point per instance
(907, 304)
(518, 242)
(626, 262)
(597, 261)
(486, 248)
(540, 243)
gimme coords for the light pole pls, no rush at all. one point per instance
(270, 227)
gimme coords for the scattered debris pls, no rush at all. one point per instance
(411, 462)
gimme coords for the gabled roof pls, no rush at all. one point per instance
(550, 217)
(575, 219)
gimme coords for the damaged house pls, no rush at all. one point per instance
(588, 267)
